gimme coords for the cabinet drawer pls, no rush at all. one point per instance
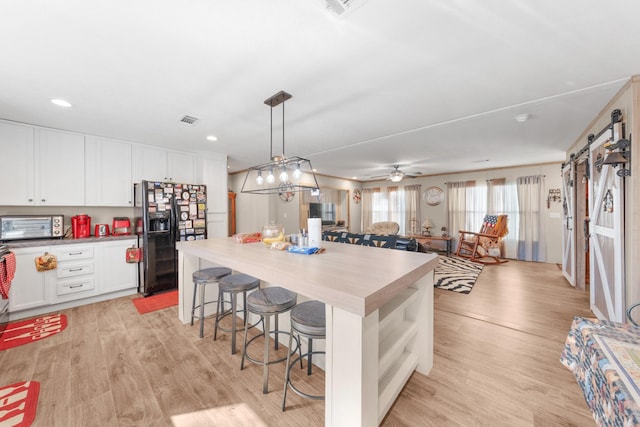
(68, 254)
(68, 269)
(71, 286)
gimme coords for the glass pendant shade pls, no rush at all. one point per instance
(270, 178)
(297, 174)
(284, 176)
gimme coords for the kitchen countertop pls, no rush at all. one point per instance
(55, 242)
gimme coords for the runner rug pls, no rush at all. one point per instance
(156, 302)
(31, 330)
(18, 403)
(456, 274)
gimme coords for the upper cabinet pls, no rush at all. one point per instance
(17, 172)
(44, 167)
(108, 177)
(157, 164)
(59, 168)
(47, 167)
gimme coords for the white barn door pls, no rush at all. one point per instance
(568, 224)
(606, 207)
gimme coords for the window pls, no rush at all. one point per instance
(396, 204)
(469, 202)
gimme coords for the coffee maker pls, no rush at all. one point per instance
(81, 226)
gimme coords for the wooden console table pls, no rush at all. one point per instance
(426, 240)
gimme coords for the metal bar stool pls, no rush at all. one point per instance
(268, 302)
(202, 278)
(308, 320)
(233, 284)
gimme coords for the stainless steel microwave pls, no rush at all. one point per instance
(24, 227)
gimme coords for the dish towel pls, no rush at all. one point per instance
(7, 272)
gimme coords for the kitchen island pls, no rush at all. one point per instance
(379, 307)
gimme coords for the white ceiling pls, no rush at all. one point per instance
(431, 85)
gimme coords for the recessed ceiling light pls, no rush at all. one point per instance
(522, 117)
(61, 102)
(354, 177)
(212, 138)
(314, 170)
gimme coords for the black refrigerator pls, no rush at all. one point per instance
(165, 213)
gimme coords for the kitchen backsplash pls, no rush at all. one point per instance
(99, 215)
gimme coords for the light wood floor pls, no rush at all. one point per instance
(496, 363)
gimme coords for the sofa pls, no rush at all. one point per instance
(383, 228)
(367, 239)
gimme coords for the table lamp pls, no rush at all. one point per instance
(426, 225)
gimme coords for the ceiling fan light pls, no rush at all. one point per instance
(396, 176)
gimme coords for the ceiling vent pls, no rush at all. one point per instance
(340, 6)
(189, 120)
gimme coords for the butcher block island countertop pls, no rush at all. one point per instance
(379, 306)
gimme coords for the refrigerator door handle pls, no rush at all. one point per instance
(174, 220)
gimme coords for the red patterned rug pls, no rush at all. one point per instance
(18, 403)
(156, 302)
(26, 331)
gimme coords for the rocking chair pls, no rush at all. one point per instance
(481, 247)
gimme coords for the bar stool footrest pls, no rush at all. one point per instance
(270, 362)
(226, 313)
(290, 383)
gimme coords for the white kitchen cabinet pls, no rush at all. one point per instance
(181, 167)
(108, 172)
(29, 288)
(59, 161)
(212, 172)
(17, 172)
(75, 275)
(86, 272)
(114, 272)
(157, 164)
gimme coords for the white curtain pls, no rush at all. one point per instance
(467, 206)
(367, 216)
(413, 216)
(457, 206)
(530, 227)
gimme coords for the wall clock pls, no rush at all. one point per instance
(285, 193)
(433, 196)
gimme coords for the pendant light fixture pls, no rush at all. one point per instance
(279, 170)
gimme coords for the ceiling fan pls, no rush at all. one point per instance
(396, 175)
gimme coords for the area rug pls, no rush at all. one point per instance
(456, 274)
(18, 404)
(156, 302)
(31, 330)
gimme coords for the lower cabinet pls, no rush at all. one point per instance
(74, 277)
(114, 272)
(29, 287)
(85, 271)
